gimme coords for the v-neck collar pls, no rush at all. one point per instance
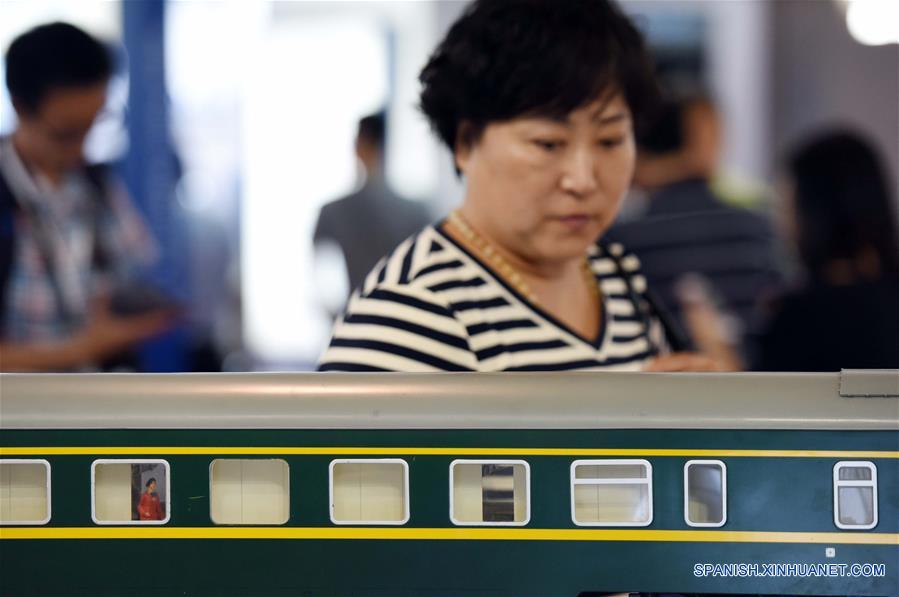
(595, 344)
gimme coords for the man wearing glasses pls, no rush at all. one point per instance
(68, 232)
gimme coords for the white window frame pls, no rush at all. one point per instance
(689, 522)
(527, 494)
(49, 495)
(609, 481)
(838, 483)
(168, 487)
(406, 505)
(250, 524)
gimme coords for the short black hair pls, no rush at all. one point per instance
(664, 131)
(150, 481)
(508, 58)
(373, 129)
(53, 56)
(842, 202)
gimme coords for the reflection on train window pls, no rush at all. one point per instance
(130, 492)
(372, 491)
(249, 491)
(705, 493)
(611, 493)
(855, 495)
(490, 492)
(24, 492)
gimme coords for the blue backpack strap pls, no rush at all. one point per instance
(8, 209)
(96, 175)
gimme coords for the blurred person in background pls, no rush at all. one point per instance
(688, 238)
(372, 221)
(843, 311)
(69, 235)
(536, 101)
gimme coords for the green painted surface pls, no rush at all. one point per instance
(539, 438)
(410, 568)
(764, 494)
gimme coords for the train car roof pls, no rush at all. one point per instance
(847, 400)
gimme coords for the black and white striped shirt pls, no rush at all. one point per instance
(431, 305)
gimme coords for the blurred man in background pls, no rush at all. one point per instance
(371, 222)
(69, 236)
(689, 241)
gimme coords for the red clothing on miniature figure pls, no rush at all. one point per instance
(148, 508)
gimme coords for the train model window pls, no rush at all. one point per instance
(24, 492)
(369, 491)
(855, 495)
(490, 492)
(705, 493)
(130, 492)
(615, 493)
(249, 491)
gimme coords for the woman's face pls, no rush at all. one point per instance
(544, 190)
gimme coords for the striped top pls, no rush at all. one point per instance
(431, 305)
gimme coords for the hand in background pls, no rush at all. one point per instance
(710, 329)
(686, 361)
(106, 333)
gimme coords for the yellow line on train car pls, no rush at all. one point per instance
(411, 451)
(441, 534)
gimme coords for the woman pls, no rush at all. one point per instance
(149, 507)
(843, 313)
(536, 101)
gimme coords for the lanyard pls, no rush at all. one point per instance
(648, 306)
(43, 232)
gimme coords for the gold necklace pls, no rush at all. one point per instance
(508, 272)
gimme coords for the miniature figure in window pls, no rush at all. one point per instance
(149, 507)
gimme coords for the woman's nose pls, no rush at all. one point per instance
(579, 173)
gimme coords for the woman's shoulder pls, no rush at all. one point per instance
(416, 265)
(614, 250)
(862, 306)
(399, 319)
(613, 260)
(800, 297)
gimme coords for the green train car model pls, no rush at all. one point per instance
(453, 484)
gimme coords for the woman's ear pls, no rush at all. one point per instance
(463, 146)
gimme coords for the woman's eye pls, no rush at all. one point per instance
(611, 142)
(547, 144)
